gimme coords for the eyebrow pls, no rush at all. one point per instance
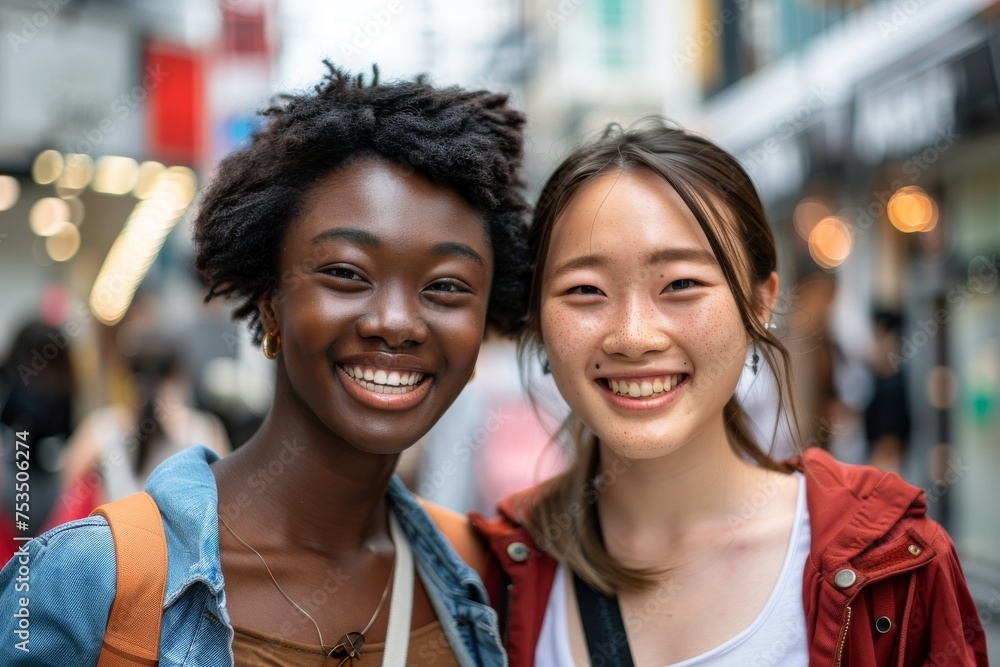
(667, 255)
(451, 248)
(365, 238)
(356, 236)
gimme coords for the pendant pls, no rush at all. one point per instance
(348, 647)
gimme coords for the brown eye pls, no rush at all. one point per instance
(682, 284)
(584, 289)
(447, 287)
(345, 274)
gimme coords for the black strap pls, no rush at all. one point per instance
(603, 627)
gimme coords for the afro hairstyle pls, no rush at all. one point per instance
(471, 141)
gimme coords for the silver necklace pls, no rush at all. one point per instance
(349, 646)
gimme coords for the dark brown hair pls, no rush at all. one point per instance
(723, 199)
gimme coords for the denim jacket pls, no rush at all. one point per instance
(55, 598)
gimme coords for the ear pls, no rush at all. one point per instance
(768, 296)
(269, 305)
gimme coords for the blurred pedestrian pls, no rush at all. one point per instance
(117, 447)
(37, 391)
(814, 358)
(887, 417)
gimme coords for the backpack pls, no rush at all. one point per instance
(132, 638)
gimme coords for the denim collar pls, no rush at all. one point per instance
(184, 489)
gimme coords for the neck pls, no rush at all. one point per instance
(649, 505)
(297, 485)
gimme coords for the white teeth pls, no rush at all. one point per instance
(634, 390)
(646, 387)
(614, 386)
(657, 385)
(383, 382)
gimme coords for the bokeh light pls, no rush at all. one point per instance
(76, 174)
(149, 171)
(830, 242)
(115, 175)
(10, 190)
(910, 209)
(808, 212)
(48, 215)
(64, 243)
(139, 242)
(48, 166)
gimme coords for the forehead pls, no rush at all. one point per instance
(625, 212)
(390, 201)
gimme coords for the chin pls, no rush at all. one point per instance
(641, 446)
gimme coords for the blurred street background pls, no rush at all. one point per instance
(871, 128)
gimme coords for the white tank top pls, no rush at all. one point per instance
(776, 637)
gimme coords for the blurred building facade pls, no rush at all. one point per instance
(113, 111)
(872, 129)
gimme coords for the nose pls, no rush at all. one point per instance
(394, 316)
(637, 327)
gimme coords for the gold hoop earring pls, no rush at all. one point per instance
(271, 345)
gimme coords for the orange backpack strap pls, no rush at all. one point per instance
(132, 638)
(458, 530)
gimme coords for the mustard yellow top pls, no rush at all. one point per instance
(428, 646)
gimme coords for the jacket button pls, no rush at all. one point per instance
(883, 624)
(518, 552)
(914, 549)
(845, 578)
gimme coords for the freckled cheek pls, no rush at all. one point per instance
(718, 335)
(569, 333)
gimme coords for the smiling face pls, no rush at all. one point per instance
(381, 305)
(642, 332)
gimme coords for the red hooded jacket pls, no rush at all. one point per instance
(875, 553)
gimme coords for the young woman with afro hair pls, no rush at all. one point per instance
(368, 233)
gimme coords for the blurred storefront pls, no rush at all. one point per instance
(873, 132)
(113, 112)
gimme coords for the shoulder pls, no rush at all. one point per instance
(458, 530)
(64, 580)
(511, 543)
(86, 543)
(862, 500)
